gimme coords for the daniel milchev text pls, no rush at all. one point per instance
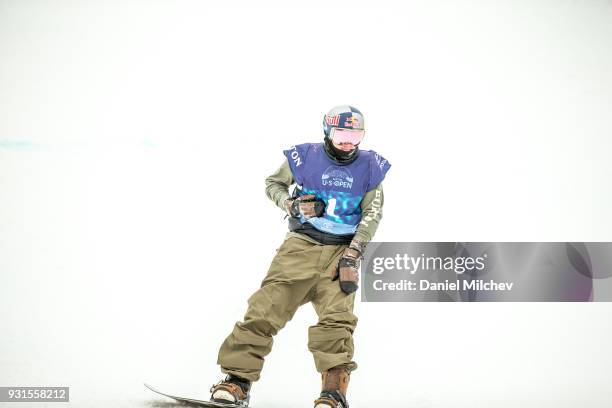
(411, 265)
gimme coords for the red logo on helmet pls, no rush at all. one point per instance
(332, 120)
(351, 122)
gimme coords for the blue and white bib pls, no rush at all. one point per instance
(341, 187)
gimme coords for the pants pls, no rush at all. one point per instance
(300, 272)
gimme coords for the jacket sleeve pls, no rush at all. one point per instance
(277, 184)
(371, 213)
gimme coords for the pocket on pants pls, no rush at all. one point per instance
(293, 245)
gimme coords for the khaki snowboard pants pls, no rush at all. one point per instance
(300, 272)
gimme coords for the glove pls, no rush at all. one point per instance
(348, 267)
(307, 205)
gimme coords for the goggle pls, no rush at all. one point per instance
(341, 136)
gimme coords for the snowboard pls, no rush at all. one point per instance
(198, 403)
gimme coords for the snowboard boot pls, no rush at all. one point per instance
(333, 394)
(232, 390)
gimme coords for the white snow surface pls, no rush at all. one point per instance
(135, 138)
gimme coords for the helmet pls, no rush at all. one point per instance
(344, 117)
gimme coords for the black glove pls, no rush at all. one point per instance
(348, 267)
(307, 205)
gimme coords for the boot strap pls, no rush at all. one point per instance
(326, 400)
(334, 399)
(232, 388)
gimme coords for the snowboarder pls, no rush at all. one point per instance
(333, 213)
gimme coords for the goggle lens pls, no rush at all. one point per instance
(352, 136)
